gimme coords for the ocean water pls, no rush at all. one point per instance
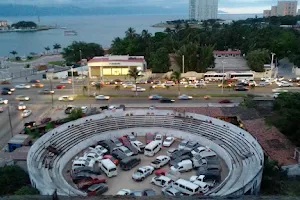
(100, 29)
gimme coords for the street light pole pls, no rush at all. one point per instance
(183, 64)
(11, 128)
(80, 53)
(51, 92)
(72, 80)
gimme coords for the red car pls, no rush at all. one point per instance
(161, 172)
(60, 87)
(5, 82)
(149, 138)
(115, 161)
(85, 183)
(225, 101)
(124, 140)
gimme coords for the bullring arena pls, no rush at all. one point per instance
(239, 150)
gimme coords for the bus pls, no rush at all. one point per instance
(241, 76)
(214, 76)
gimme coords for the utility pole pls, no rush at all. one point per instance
(272, 61)
(72, 80)
(80, 53)
(11, 128)
(51, 92)
(183, 64)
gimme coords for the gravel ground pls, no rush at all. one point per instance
(124, 180)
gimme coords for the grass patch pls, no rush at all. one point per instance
(59, 63)
(25, 61)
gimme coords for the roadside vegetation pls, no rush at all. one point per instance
(14, 180)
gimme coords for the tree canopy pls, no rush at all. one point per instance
(24, 24)
(88, 50)
(257, 58)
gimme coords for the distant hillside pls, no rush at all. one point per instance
(27, 10)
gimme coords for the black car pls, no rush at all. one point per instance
(97, 189)
(179, 159)
(118, 154)
(30, 124)
(69, 110)
(129, 162)
(8, 89)
(85, 170)
(6, 92)
(107, 144)
(181, 153)
(241, 88)
(167, 100)
(34, 81)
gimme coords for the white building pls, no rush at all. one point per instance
(115, 65)
(203, 9)
(298, 12)
(285, 8)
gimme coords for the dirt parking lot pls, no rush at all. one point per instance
(124, 178)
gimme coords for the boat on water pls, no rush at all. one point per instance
(70, 33)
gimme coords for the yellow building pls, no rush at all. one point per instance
(115, 65)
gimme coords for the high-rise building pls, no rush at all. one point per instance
(203, 9)
(285, 8)
(267, 13)
(298, 12)
(274, 11)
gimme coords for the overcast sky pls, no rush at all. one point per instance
(230, 6)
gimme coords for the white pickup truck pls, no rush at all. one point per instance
(201, 178)
(160, 161)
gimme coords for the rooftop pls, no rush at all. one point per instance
(118, 58)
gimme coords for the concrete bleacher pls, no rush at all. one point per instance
(245, 158)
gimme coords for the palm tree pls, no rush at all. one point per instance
(56, 47)
(168, 30)
(130, 33)
(47, 49)
(98, 86)
(176, 77)
(145, 35)
(134, 73)
(14, 53)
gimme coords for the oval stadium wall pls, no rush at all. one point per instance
(241, 152)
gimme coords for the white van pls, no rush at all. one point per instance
(152, 148)
(203, 186)
(186, 187)
(183, 166)
(208, 155)
(108, 167)
(83, 162)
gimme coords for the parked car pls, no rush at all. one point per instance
(97, 189)
(22, 98)
(131, 138)
(170, 191)
(182, 144)
(180, 153)
(110, 157)
(85, 183)
(26, 113)
(129, 162)
(225, 101)
(149, 138)
(168, 141)
(69, 109)
(202, 178)
(5, 83)
(125, 141)
(212, 170)
(143, 193)
(158, 138)
(185, 97)
(161, 181)
(109, 145)
(161, 172)
(142, 173)
(155, 97)
(124, 192)
(198, 150)
(125, 150)
(191, 145)
(167, 100)
(138, 145)
(183, 166)
(60, 87)
(171, 151)
(179, 159)
(30, 124)
(116, 141)
(160, 161)
(118, 154)
(84, 170)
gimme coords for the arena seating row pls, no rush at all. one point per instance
(241, 152)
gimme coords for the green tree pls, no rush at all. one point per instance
(135, 74)
(18, 58)
(84, 89)
(11, 179)
(88, 50)
(75, 114)
(27, 190)
(130, 33)
(47, 49)
(176, 77)
(159, 61)
(24, 25)
(98, 86)
(14, 53)
(56, 47)
(257, 58)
